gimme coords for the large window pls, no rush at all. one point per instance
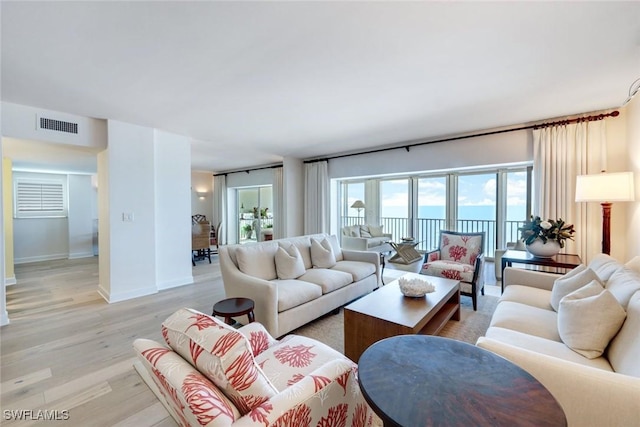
(255, 205)
(352, 192)
(494, 201)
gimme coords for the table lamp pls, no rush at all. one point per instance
(605, 188)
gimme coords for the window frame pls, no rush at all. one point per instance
(60, 186)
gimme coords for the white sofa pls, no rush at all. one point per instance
(366, 238)
(283, 303)
(599, 391)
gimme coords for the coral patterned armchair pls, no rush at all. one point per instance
(211, 374)
(460, 257)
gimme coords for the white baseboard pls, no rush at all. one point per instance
(175, 283)
(4, 318)
(48, 257)
(123, 296)
(81, 255)
(8, 281)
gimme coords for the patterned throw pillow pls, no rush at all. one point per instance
(222, 354)
(364, 231)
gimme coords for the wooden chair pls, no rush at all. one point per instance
(460, 257)
(200, 242)
(215, 237)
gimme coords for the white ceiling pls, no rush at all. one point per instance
(253, 82)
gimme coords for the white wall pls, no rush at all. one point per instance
(81, 210)
(172, 210)
(130, 271)
(4, 316)
(41, 239)
(293, 191)
(19, 121)
(202, 182)
(511, 147)
(632, 226)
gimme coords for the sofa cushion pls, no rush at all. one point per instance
(588, 319)
(328, 279)
(622, 284)
(448, 269)
(294, 357)
(184, 386)
(322, 255)
(357, 269)
(258, 260)
(534, 297)
(292, 293)
(376, 241)
(289, 263)
(572, 281)
(544, 346)
(221, 353)
(624, 349)
(526, 319)
(335, 245)
(604, 266)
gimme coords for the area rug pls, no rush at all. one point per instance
(329, 329)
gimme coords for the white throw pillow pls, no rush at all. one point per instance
(375, 230)
(572, 281)
(588, 319)
(322, 255)
(289, 263)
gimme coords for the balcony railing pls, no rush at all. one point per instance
(427, 230)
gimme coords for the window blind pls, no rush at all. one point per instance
(39, 199)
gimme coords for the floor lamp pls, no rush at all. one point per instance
(359, 205)
(605, 188)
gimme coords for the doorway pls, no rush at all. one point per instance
(255, 208)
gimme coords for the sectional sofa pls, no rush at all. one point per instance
(296, 280)
(579, 335)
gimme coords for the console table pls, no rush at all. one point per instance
(417, 380)
(564, 261)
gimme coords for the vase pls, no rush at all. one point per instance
(540, 249)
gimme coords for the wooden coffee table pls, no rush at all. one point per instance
(435, 381)
(386, 313)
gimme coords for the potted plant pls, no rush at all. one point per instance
(545, 238)
(247, 229)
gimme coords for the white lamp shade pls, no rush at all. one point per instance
(605, 187)
(358, 204)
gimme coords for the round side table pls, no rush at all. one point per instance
(233, 307)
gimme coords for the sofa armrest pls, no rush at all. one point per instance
(588, 396)
(354, 243)
(313, 398)
(534, 279)
(263, 292)
(364, 256)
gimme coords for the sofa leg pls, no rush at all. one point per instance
(335, 311)
(474, 298)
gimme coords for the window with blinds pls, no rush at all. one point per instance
(40, 199)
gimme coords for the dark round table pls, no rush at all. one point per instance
(418, 380)
(233, 307)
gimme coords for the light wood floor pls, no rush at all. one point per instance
(67, 349)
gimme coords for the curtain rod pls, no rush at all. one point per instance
(248, 170)
(455, 138)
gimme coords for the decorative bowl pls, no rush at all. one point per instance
(415, 288)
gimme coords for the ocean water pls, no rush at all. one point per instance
(514, 213)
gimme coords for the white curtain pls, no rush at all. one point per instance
(560, 154)
(316, 198)
(278, 204)
(220, 206)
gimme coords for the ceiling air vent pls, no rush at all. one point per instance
(57, 125)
